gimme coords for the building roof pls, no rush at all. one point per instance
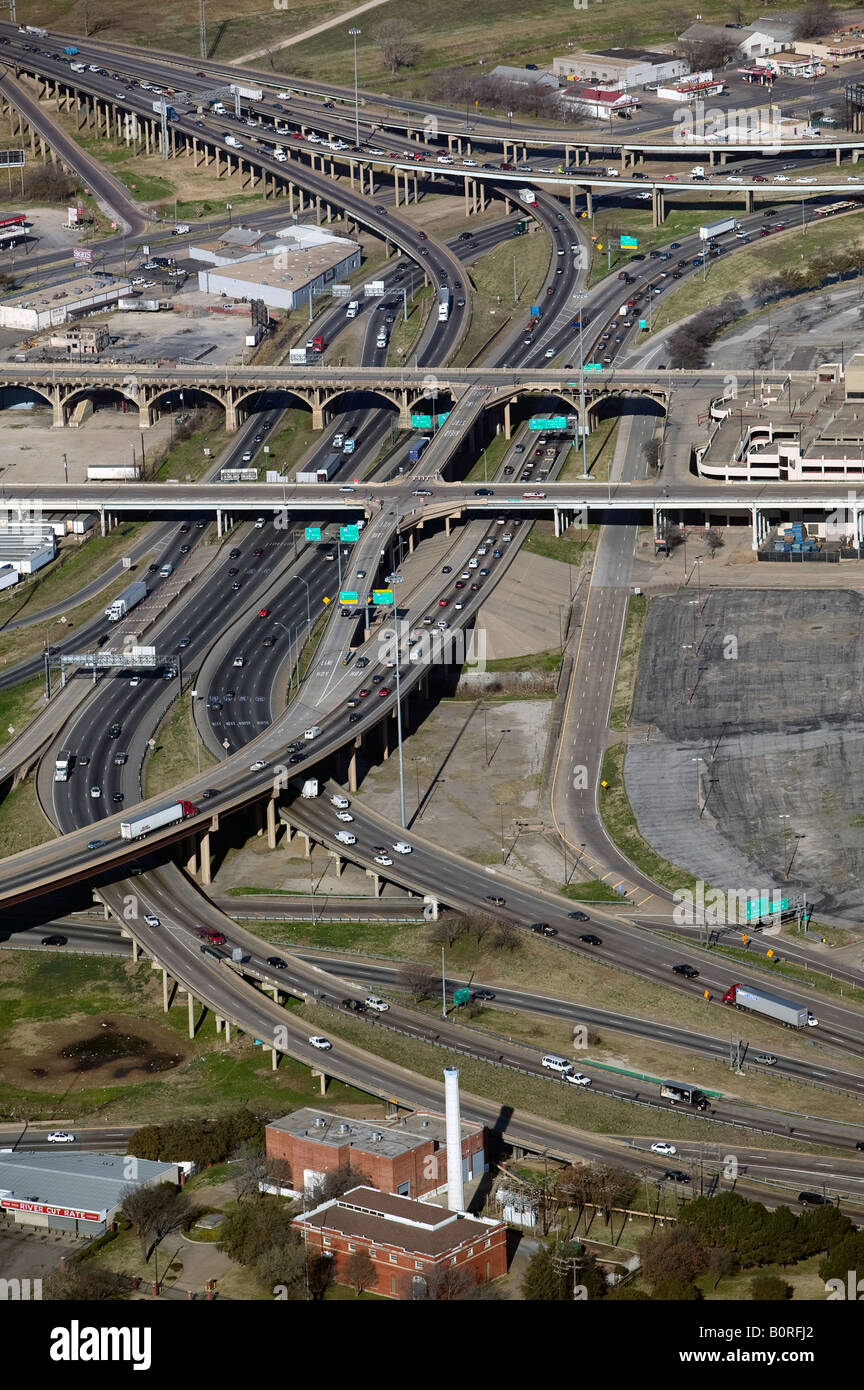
(249, 244)
(88, 1181)
(695, 33)
(631, 55)
(385, 1219)
(780, 28)
(526, 76)
(392, 1137)
(302, 267)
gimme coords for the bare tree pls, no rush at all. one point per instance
(419, 980)
(396, 43)
(674, 1254)
(506, 938)
(359, 1271)
(815, 18)
(719, 1261)
(251, 1171)
(155, 1212)
(651, 452)
(713, 540)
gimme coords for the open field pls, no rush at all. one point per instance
(18, 705)
(22, 823)
(176, 755)
(202, 1077)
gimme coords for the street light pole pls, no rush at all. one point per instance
(393, 579)
(305, 584)
(355, 34)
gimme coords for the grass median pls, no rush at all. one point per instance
(178, 749)
(493, 304)
(621, 824)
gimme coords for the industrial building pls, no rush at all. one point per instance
(621, 68)
(26, 545)
(408, 1242)
(398, 1155)
(77, 1192)
(81, 341)
(523, 77)
(589, 101)
(756, 41)
(34, 310)
(283, 270)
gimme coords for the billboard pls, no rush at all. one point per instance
(82, 255)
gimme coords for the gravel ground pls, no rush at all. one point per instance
(766, 688)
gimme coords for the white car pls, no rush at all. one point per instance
(345, 837)
(239, 661)
(508, 536)
(812, 1020)
(661, 1147)
(139, 279)
(805, 180)
(578, 1078)
(470, 163)
(375, 150)
(257, 765)
(95, 792)
(341, 802)
(151, 919)
(402, 848)
(322, 1044)
(313, 139)
(383, 859)
(852, 178)
(780, 178)
(379, 1005)
(283, 96)
(550, 352)
(61, 1136)
(344, 816)
(136, 680)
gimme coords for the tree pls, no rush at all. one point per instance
(672, 1290)
(719, 1262)
(252, 1169)
(506, 938)
(676, 1254)
(396, 44)
(155, 1212)
(85, 1283)
(319, 1274)
(418, 980)
(250, 1229)
(359, 1271)
(335, 1184)
(651, 452)
(543, 1281)
(769, 1288)
(815, 18)
(283, 1267)
(713, 541)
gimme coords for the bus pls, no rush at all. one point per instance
(679, 1094)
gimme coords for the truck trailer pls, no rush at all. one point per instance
(157, 820)
(443, 304)
(529, 196)
(323, 473)
(416, 449)
(759, 1001)
(125, 602)
(712, 229)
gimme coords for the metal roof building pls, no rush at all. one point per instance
(78, 1192)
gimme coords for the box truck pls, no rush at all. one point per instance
(353, 309)
(112, 473)
(297, 357)
(157, 820)
(527, 195)
(759, 1001)
(125, 602)
(443, 303)
(63, 766)
(309, 788)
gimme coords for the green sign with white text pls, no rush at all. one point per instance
(382, 596)
(313, 533)
(348, 533)
(348, 596)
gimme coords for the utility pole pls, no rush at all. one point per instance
(203, 26)
(443, 987)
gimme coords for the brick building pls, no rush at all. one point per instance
(407, 1241)
(405, 1155)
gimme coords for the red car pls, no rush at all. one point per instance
(442, 603)
(209, 934)
(758, 178)
(263, 612)
(423, 236)
(363, 693)
(384, 690)
(671, 178)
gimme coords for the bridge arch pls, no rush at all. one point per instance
(99, 398)
(11, 396)
(274, 398)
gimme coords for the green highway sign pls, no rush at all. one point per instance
(349, 533)
(761, 907)
(382, 596)
(629, 241)
(593, 366)
(462, 996)
(421, 422)
(313, 533)
(548, 422)
(643, 323)
(348, 596)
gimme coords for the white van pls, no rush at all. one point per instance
(345, 837)
(353, 309)
(382, 339)
(555, 1063)
(313, 732)
(167, 570)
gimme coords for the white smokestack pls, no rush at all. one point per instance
(455, 1195)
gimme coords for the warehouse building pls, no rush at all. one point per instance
(399, 1156)
(622, 68)
(408, 1242)
(77, 1192)
(34, 310)
(81, 341)
(282, 282)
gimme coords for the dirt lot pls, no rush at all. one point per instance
(765, 688)
(102, 1050)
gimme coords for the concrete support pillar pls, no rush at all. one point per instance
(338, 864)
(557, 522)
(165, 990)
(410, 542)
(271, 823)
(508, 424)
(190, 999)
(290, 832)
(446, 526)
(307, 839)
(754, 513)
(192, 860)
(205, 860)
(352, 768)
(275, 1055)
(377, 882)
